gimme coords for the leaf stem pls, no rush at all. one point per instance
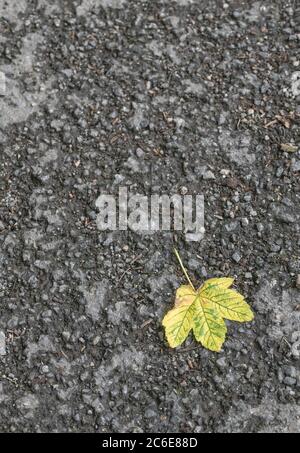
(184, 269)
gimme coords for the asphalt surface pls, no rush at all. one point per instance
(198, 97)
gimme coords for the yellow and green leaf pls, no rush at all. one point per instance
(230, 305)
(203, 311)
(178, 323)
(208, 326)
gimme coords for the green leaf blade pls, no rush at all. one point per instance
(215, 284)
(209, 328)
(178, 324)
(230, 305)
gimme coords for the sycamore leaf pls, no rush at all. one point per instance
(228, 302)
(203, 311)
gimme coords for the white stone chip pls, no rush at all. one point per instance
(2, 343)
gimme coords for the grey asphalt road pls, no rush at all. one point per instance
(160, 97)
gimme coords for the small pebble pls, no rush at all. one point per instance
(236, 257)
(245, 222)
(2, 343)
(289, 381)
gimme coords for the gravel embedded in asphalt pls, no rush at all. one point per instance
(160, 96)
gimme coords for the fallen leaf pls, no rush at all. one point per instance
(285, 121)
(288, 148)
(203, 311)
